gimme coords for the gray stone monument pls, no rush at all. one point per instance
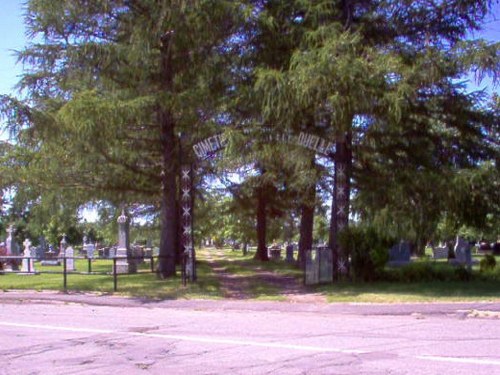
(28, 266)
(89, 250)
(311, 268)
(62, 247)
(123, 262)
(399, 254)
(50, 258)
(42, 248)
(12, 250)
(148, 250)
(463, 253)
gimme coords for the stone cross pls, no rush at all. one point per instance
(27, 247)
(28, 265)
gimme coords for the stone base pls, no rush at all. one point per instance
(28, 273)
(125, 267)
(50, 263)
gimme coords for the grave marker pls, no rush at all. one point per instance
(28, 266)
(399, 254)
(123, 262)
(12, 250)
(70, 261)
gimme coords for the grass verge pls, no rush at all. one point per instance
(481, 287)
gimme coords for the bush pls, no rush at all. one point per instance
(421, 271)
(427, 272)
(368, 251)
(462, 274)
(488, 263)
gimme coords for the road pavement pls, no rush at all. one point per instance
(57, 333)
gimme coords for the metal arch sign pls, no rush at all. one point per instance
(208, 146)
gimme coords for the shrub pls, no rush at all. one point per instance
(427, 272)
(488, 263)
(368, 251)
(462, 274)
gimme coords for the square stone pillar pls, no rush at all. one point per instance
(123, 262)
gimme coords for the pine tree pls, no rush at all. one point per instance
(367, 63)
(111, 85)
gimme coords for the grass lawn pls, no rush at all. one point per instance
(249, 271)
(434, 291)
(141, 284)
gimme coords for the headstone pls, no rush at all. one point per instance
(42, 248)
(70, 261)
(311, 268)
(440, 252)
(62, 247)
(275, 252)
(399, 254)
(50, 258)
(463, 253)
(319, 265)
(28, 266)
(325, 260)
(496, 247)
(123, 252)
(289, 253)
(12, 250)
(89, 250)
(148, 250)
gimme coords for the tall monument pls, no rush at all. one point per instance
(124, 264)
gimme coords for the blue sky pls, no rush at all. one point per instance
(12, 37)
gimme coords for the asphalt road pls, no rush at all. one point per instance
(53, 333)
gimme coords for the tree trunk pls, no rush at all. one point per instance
(169, 212)
(261, 253)
(306, 226)
(339, 219)
(245, 248)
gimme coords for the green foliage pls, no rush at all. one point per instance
(488, 263)
(425, 271)
(462, 274)
(368, 250)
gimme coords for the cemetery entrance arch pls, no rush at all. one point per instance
(207, 147)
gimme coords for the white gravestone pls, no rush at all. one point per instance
(28, 264)
(89, 249)
(62, 247)
(70, 262)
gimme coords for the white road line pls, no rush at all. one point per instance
(474, 361)
(212, 340)
(208, 340)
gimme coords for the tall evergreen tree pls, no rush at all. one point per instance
(110, 86)
(368, 63)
